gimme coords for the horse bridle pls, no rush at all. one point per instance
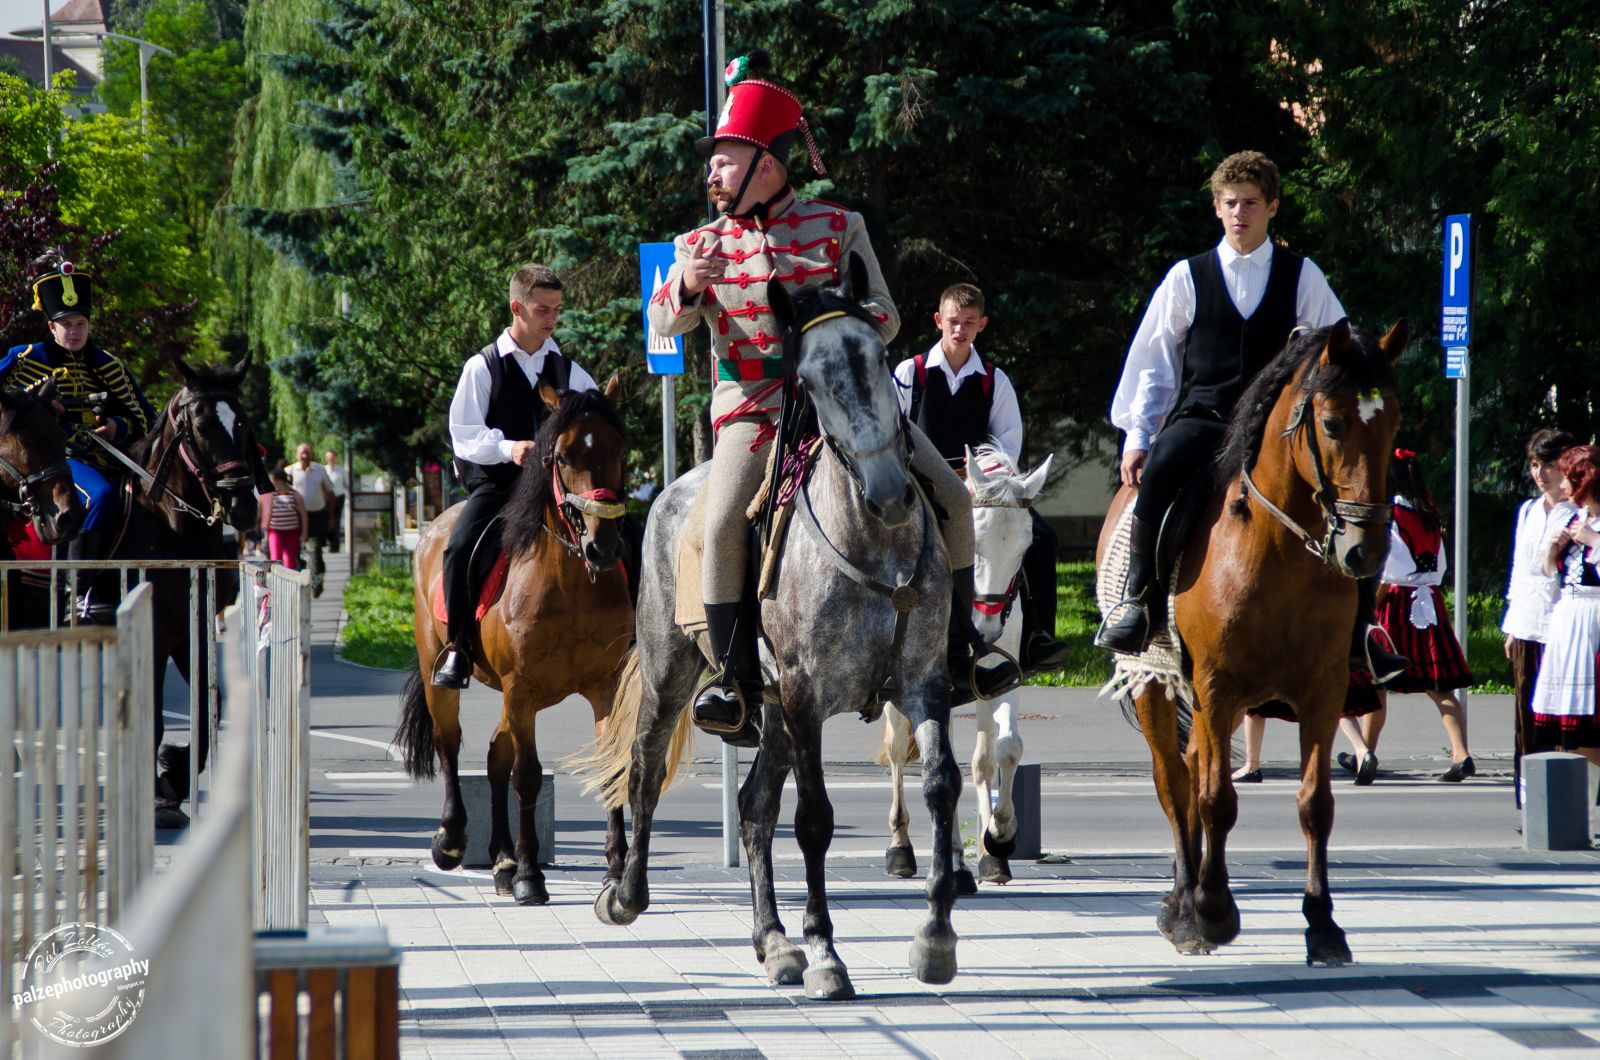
(27, 504)
(227, 477)
(1001, 603)
(570, 507)
(1336, 512)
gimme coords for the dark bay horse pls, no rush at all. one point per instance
(34, 476)
(833, 642)
(1266, 601)
(562, 624)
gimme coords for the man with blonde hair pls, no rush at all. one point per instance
(1217, 319)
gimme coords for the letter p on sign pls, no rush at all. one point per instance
(1458, 249)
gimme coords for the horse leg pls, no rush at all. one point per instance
(999, 840)
(1325, 941)
(616, 837)
(444, 706)
(527, 886)
(622, 900)
(502, 849)
(760, 799)
(1158, 720)
(900, 859)
(933, 950)
(826, 978)
(1216, 914)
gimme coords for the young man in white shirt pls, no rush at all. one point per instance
(494, 416)
(1216, 320)
(310, 481)
(958, 399)
(336, 486)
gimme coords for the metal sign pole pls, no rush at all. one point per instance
(1463, 427)
(1455, 333)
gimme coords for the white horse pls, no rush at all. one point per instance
(1002, 532)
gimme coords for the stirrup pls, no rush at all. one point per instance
(977, 657)
(1118, 610)
(721, 679)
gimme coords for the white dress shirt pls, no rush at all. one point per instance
(470, 438)
(1005, 415)
(309, 482)
(1532, 593)
(1154, 369)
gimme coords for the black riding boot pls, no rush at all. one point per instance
(966, 644)
(1370, 647)
(731, 630)
(1131, 631)
(456, 669)
(97, 603)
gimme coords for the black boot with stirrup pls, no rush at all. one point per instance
(1128, 629)
(966, 645)
(729, 705)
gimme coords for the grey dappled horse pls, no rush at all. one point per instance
(831, 641)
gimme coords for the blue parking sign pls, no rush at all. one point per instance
(1455, 302)
(663, 354)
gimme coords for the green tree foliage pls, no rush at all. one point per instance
(99, 199)
(1052, 153)
(1420, 108)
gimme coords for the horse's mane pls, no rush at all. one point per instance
(1005, 482)
(524, 512)
(1362, 367)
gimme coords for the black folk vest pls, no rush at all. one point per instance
(952, 421)
(515, 410)
(1224, 351)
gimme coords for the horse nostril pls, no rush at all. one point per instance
(910, 495)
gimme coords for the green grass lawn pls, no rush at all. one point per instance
(379, 630)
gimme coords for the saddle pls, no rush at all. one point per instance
(1177, 523)
(486, 574)
(1164, 662)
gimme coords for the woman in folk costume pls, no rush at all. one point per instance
(1531, 593)
(1411, 609)
(1564, 694)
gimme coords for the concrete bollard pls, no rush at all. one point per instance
(1555, 807)
(475, 795)
(1025, 797)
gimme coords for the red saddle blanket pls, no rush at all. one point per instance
(25, 543)
(493, 582)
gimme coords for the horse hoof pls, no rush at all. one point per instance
(503, 876)
(1194, 946)
(173, 766)
(829, 982)
(933, 955)
(992, 869)
(785, 964)
(1000, 848)
(900, 861)
(1167, 918)
(965, 884)
(529, 890)
(1327, 948)
(609, 910)
(448, 857)
(1219, 932)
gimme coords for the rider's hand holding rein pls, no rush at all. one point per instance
(1133, 466)
(705, 267)
(520, 451)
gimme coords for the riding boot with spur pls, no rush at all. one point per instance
(967, 644)
(731, 630)
(1370, 647)
(1128, 629)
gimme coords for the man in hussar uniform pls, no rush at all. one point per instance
(766, 233)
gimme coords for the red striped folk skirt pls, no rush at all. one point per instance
(1437, 664)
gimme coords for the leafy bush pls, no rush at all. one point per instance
(379, 632)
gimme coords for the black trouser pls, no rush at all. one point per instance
(1039, 570)
(481, 506)
(1186, 447)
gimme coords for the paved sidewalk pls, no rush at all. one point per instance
(1464, 955)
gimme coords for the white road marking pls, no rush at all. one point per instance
(381, 745)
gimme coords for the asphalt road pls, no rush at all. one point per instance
(1096, 793)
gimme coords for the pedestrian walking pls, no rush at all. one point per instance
(283, 520)
(1564, 692)
(311, 482)
(336, 483)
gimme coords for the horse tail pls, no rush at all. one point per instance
(891, 718)
(1182, 710)
(606, 765)
(414, 734)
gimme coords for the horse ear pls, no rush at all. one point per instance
(184, 370)
(1036, 480)
(550, 396)
(1338, 342)
(244, 364)
(781, 306)
(975, 475)
(613, 389)
(855, 277)
(1394, 343)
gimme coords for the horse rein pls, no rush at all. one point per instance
(570, 507)
(213, 480)
(27, 504)
(1336, 512)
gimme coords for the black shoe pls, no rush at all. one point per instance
(1375, 654)
(456, 671)
(717, 711)
(1043, 653)
(1368, 770)
(1249, 776)
(1347, 761)
(1458, 771)
(1127, 629)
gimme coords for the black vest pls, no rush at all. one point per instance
(952, 421)
(515, 410)
(1224, 351)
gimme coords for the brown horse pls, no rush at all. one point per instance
(562, 624)
(1266, 601)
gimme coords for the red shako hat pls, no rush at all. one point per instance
(760, 112)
